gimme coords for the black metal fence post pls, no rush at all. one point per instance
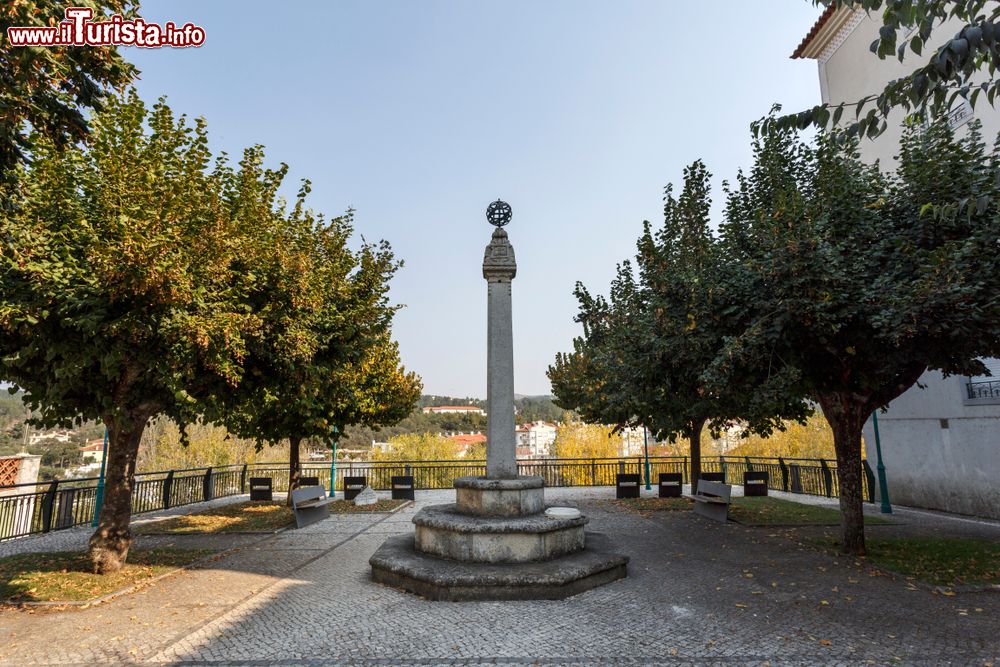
(207, 485)
(243, 479)
(722, 466)
(749, 464)
(784, 474)
(827, 478)
(870, 477)
(168, 489)
(48, 504)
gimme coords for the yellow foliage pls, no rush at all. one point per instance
(476, 452)
(812, 440)
(209, 445)
(417, 447)
(578, 440)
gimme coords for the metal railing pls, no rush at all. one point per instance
(26, 509)
(983, 389)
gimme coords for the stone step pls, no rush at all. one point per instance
(399, 564)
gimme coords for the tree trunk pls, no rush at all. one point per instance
(294, 469)
(695, 438)
(110, 543)
(846, 415)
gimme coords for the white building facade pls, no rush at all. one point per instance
(536, 438)
(940, 443)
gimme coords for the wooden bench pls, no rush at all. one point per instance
(712, 500)
(309, 505)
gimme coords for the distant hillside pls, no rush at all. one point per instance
(529, 408)
(433, 400)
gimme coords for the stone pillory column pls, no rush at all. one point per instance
(498, 541)
(499, 269)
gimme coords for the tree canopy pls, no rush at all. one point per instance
(644, 350)
(46, 90)
(142, 277)
(850, 282)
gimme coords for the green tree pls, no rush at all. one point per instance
(931, 89)
(644, 351)
(537, 408)
(48, 89)
(333, 363)
(850, 283)
(137, 280)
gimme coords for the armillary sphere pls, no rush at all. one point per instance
(498, 213)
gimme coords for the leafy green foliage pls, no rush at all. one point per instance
(644, 350)
(140, 277)
(432, 400)
(932, 88)
(849, 283)
(47, 89)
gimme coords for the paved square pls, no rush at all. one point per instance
(698, 593)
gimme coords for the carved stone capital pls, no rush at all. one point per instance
(499, 264)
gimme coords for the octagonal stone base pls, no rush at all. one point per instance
(443, 530)
(520, 496)
(399, 564)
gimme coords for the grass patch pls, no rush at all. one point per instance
(643, 505)
(768, 511)
(943, 561)
(250, 517)
(65, 576)
(348, 506)
(245, 517)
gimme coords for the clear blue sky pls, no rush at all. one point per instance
(418, 114)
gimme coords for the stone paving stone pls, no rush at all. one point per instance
(698, 593)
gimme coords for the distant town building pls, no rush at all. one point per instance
(535, 439)
(465, 441)
(939, 438)
(453, 409)
(16, 517)
(632, 441)
(54, 436)
(93, 451)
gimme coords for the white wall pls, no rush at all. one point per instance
(853, 72)
(939, 452)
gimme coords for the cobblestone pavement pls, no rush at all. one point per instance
(698, 593)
